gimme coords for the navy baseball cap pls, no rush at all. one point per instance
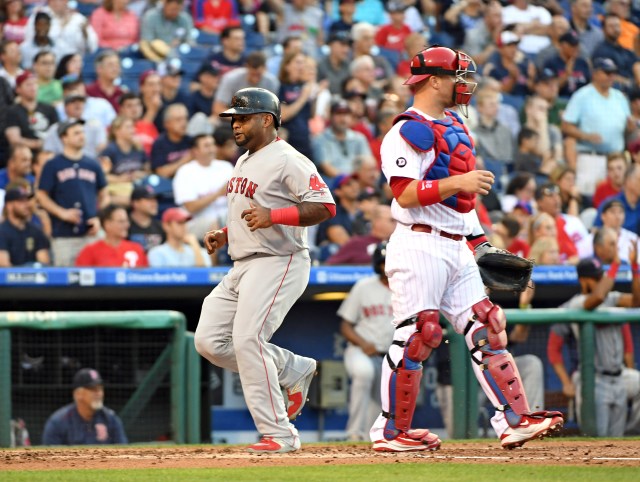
(340, 180)
(605, 64)
(571, 37)
(589, 268)
(611, 203)
(546, 74)
(87, 378)
(143, 192)
(65, 125)
(18, 193)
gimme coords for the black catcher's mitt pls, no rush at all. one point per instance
(503, 271)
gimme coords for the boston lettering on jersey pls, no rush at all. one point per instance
(71, 173)
(377, 310)
(242, 185)
(454, 150)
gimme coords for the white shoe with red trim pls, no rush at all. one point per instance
(530, 428)
(296, 396)
(413, 441)
(273, 445)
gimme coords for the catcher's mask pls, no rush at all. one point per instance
(439, 60)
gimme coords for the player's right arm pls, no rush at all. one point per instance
(413, 193)
(215, 240)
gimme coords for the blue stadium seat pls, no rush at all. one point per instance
(86, 9)
(193, 53)
(191, 68)
(209, 39)
(132, 68)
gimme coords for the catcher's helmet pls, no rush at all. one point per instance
(438, 60)
(254, 100)
(379, 256)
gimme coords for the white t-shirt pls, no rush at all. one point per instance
(529, 44)
(193, 180)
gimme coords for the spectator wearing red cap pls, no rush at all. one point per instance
(27, 121)
(182, 247)
(114, 250)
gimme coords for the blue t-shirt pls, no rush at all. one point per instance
(4, 178)
(631, 214)
(586, 109)
(580, 77)
(72, 184)
(165, 151)
(67, 427)
(342, 218)
(22, 244)
(623, 58)
(298, 125)
(200, 103)
(499, 72)
(123, 162)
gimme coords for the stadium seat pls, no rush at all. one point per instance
(193, 53)
(392, 56)
(86, 9)
(207, 39)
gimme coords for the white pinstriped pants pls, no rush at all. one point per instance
(430, 272)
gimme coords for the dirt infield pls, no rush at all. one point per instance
(559, 452)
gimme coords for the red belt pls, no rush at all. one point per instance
(425, 228)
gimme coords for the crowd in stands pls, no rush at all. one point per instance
(112, 152)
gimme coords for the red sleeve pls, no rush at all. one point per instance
(381, 36)
(399, 184)
(331, 208)
(627, 339)
(554, 348)
(85, 257)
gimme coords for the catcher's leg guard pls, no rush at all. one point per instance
(404, 383)
(486, 332)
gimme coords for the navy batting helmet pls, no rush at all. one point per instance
(379, 256)
(254, 100)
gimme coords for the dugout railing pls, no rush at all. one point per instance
(177, 360)
(465, 386)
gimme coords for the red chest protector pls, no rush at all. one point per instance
(455, 153)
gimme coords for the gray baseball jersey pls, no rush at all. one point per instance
(609, 354)
(368, 307)
(275, 176)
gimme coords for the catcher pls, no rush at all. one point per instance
(429, 161)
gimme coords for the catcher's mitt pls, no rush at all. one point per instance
(503, 271)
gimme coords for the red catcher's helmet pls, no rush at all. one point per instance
(438, 60)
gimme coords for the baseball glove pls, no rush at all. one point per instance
(503, 271)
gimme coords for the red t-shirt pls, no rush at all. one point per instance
(565, 243)
(519, 247)
(126, 255)
(603, 191)
(147, 133)
(392, 38)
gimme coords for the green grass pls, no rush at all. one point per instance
(440, 472)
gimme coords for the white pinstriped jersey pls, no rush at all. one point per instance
(399, 159)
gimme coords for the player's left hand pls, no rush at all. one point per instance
(257, 217)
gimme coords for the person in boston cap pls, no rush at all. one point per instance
(85, 421)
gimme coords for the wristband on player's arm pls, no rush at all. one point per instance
(635, 270)
(476, 241)
(428, 193)
(289, 216)
(225, 231)
(613, 270)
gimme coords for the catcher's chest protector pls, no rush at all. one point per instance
(454, 150)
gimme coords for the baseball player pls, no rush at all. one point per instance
(366, 324)
(617, 380)
(428, 159)
(274, 192)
